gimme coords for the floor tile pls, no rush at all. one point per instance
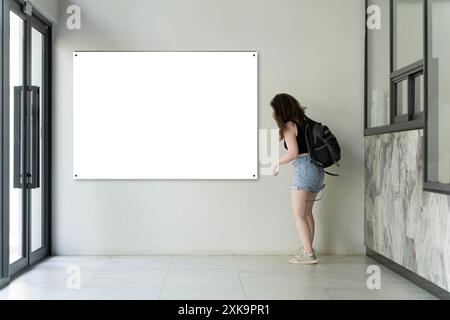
(366, 294)
(141, 258)
(22, 291)
(348, 268)
(277, 282)
(58, 278)
(333, 282)
(203, 262)
(205, 277)
(418, 291)
(134, 265)
(261, 259)
(123, 293)
(126, 281)
(210, 278)
(287, 293)
(55, 263)
(345, 259)
(202, 292)
(271, 270)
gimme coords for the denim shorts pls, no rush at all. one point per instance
(307, 175)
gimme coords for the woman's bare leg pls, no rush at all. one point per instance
(309, 215)
(299, 208)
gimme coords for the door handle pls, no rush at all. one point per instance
(33, 173)
(19, 121)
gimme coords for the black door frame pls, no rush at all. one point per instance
(4, 222)
(41, 24)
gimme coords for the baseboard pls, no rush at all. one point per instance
(408, 274)
(4, 282)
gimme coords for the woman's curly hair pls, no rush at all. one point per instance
(286, 108)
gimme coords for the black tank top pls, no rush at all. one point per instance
(301, 139)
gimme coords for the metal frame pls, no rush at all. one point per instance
(45, 30)
(4, 222)
(397, 122)
(17, 9)
(40, 23)
(429, 186)
(409, 73)
(413, 120)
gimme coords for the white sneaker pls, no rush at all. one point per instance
(303, 258)
(300, 252)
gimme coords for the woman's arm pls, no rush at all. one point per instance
(290, 135)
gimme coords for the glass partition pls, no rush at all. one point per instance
(37, 219)
(378, 67)
(408, 32)
(16, 79)
(438, 129)
(394, 66)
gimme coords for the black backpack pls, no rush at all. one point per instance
(323, 146)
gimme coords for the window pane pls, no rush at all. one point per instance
(402, 97)
(378, 68)
(408, 32)
(419, 94)
(438, 92)
(37, 240)
(16, 56)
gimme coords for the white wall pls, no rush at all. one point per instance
(311, 49)
(49, 8)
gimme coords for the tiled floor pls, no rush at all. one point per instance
(210, 278)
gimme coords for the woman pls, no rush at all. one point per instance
(308, 177)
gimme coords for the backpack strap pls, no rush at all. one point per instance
(307, 135)
(331, 174)
(322, 196)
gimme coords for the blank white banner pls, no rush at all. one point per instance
(165, 115)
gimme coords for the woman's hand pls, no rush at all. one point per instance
(290, 136)
(276, 169)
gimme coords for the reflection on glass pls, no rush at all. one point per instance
(36, 194)
(419, 100)
(378, 69)
(439, 93)
(16, 56)
(408, 32)
(402, 97)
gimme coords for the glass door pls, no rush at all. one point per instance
(39, 141)
(17, 217)
(4, 225)
(29, 139)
